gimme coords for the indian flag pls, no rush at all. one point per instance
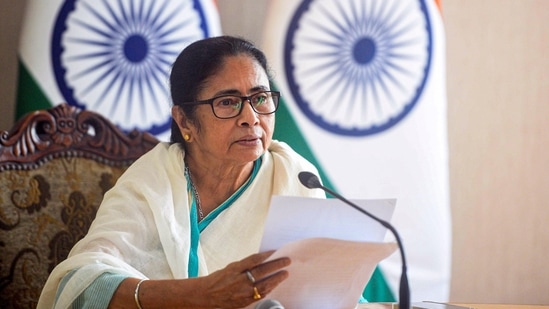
(364, 98)
(112, 57)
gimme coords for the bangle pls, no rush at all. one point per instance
(136, 294)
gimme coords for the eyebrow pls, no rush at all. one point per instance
(237, 93)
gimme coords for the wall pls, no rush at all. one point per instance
(11, 13)
(498, 106)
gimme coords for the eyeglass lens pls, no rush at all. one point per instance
(230, 106)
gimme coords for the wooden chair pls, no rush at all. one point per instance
(55, 166)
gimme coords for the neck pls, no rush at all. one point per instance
(213, 186)
(195, 193)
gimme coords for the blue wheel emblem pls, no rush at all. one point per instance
(358, 67)
(114, 57)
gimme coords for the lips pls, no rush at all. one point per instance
(250, 139)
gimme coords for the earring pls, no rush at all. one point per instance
(186, 137)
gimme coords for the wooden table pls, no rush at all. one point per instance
(450, 306)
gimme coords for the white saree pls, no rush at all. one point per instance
(142, 228)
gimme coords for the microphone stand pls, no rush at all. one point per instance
(311, 181)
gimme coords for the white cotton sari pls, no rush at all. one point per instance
(142, 228)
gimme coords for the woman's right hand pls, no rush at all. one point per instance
(232, 287)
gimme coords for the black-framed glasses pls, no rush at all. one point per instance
(230, 106)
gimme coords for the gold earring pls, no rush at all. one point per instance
(186, 137)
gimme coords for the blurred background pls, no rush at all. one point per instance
(497, 65)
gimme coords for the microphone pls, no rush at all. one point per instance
(269, 304)
(311, 181)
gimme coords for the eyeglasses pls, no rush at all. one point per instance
(230, 106)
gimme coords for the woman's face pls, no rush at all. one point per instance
(237, 140)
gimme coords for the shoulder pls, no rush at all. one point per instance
(163, 158)
(286, 165)
(163, 152)
(286, 157)
(279, 148)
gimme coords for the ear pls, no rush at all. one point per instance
(181, 120)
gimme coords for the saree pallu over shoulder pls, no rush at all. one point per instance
(130, 228)
(142, 228)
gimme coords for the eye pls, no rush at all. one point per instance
(260, 98)
(225, 102)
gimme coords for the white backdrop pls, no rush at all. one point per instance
(498, 89)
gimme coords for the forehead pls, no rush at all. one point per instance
(240, 72)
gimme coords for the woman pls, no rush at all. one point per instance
(183, 225)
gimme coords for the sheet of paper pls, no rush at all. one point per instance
(293, 218)
(327, 273)
(333, 247)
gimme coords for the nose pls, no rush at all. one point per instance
(248, 117)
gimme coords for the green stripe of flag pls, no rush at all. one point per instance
(377, 289)
(287, 130)
(30, 96)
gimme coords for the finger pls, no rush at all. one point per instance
(262, 270)
(249, 262)
(269, 275)
(257, 258)
(269, 283)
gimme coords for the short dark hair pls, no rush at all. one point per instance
(196, 63)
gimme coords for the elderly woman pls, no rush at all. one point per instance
(182, 227)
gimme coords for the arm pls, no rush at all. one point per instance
(98, 294)
(227, 288)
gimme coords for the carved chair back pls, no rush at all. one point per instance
(55, 166)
